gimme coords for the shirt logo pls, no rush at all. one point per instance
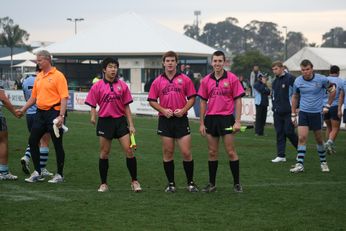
(119, 88)
(226, 84)
(283, 86)
(180, 81)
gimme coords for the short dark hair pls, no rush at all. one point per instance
(219, 53)
(109, 60)
(334, 69)
(277, 64)
(306, 63)
(170, 54)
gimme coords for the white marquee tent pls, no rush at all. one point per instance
(127, 35)
(322, 58)
(27, 55)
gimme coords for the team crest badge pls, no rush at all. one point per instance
(180, 81)
(225, 84)
(119, 88)
(283, 86)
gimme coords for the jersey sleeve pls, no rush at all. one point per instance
(238, 90)
(154, 92)
(295, 87)
(127, 97)
(62, 87)
(203, 90)
(190, 90)
(92, 97)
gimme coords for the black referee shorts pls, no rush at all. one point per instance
(216, 125)
(110, 128)
(174, 127)
(332, 114)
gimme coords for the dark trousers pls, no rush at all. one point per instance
(284, 128)
(261, 117)
(44, 123)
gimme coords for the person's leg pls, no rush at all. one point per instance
(34, 140)
(3, 152)
(279, 125)
(59, 151)
(228, 141)
(105, 147)
(184, 144)
(290, 131)
(44, 151)
(303, 132)
(168, 159)
(131, 161)
(257, 120)
(213, 147)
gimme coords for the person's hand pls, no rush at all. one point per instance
(19, 113)
(60, 122)
(202, 130)
(179, 113)
(132, 129)
(236, 126)
(326, 109)
(168, 113)
(93, 120)
(294, 120)
(339, 114)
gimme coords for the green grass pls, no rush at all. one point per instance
(273, 199)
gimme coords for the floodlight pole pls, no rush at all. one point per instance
(285, 57)
(75, 20)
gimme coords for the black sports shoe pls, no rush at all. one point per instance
(192, 187)
(25, 166)
(170, 188)
(209, 188)
(238, 188)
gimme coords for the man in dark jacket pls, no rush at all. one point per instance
(282, 89)
(262, 92)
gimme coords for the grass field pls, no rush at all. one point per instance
(273, 198)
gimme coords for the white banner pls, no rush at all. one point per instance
(16, 97)
(78, 101)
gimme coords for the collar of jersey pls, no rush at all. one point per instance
(313, 76)
(115, 80)
(224, 75)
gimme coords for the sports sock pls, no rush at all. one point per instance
(131, 164)
(27, 153)
(188, 167)
(321, 152)
(169, 170)
(3, 168)
(301, 153)
(330, 141)
(103, 169)
(43, 157)
(212, 165)
(234, 166)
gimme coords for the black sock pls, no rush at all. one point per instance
(131, 164)
(212, 164)
(188, 167)
(103, 169)
(234, 165)
(169, 170)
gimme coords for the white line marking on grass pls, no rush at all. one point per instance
(288, 184)
(24, 194)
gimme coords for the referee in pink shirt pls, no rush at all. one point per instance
(113, 97)
(220, 94)
(176, 95)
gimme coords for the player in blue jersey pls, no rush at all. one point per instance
(332, 118)
(28, 85)
(309, 89)
(342, 101)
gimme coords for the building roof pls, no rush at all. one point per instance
(322, 58)
(126, 35)
(27, 55)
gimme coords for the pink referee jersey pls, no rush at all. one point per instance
(111, 98)
(220, 93)
(172, 94)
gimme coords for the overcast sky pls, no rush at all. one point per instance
(46, 20)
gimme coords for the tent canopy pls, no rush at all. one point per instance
(129, 35)
(27, 55)
(26, 63)
(322, 58)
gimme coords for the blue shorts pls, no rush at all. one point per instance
(332, 114)
(345, 116)
(312, 120)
